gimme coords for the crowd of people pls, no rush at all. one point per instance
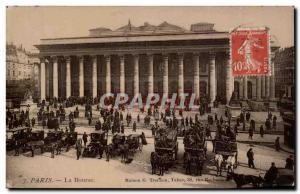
(114, 120)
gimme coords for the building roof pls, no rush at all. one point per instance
(147, 32)
(130, 29)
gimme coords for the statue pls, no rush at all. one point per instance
(27, 100)
(28, 96)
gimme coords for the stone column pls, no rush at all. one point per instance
(81, 77)
(258, 88)
(180, 74)
(122, 74)
(43, 79)
(229, 84)
(107, 75)
(150, 75)
(68, 77)
(136, 74)
(94, 76)
(263, 86)
(55, 77)
(245, 87)
(196, 76)
(241, 93)
(165, 75)
(212, 77)
(272, 82)
(267, 87)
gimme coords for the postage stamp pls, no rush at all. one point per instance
(250, 52)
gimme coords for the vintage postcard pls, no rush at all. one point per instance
(150, 97)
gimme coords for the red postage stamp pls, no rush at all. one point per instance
(250, 52)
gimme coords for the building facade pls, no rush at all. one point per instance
(161, 59)
(18, 63)
(285, 73)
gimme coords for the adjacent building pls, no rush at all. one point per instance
(285, 73)
(18, 64)
(21, 67)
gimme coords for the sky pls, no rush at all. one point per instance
(27, 25)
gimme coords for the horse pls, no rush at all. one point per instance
(187, 162)
(230, 162)
(78, 146)
(124, 149)
(199, 165)
(219, 162)
(109, 151)
(154, 162)
(59, 145)
(162, 164)
(241, 179)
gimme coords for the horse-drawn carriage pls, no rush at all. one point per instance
(16, 138)
(125, 146)
(69, 139)
(53, 142)
(135, 142)
(226, 153)
(166, 148)
(98, 141)
(35, 141)
(194, 149)
(226, 148)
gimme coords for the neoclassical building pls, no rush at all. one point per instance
(162, 59)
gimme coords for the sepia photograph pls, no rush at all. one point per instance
(150, 97)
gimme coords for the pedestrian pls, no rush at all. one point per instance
(248, 116)
(268, 124)
(250, 132)
(17, 148)
(236, 129)
(101, 149)
(290, 163)
(78, 149)
(238, 122)
(244, 126)
(134, 127)
(186, 121)
(274, 122)
(216, 116)
(84, 138)
(252, 124)
(121, 116)
(277, 144)
(208, 132)
(33, 122)
(261, 131)
(221, 120)
(271, 174)
(250, 156)
(138, 118)
(122, 128)
(90, 120)
(270, 115)
(242, 118)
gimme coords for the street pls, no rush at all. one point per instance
(65, 171)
